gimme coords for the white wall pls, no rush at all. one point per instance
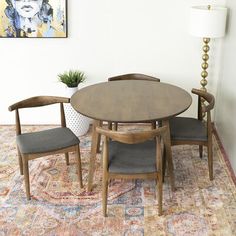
(106, 38)
(225, 115)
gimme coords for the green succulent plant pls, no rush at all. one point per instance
(72, 78)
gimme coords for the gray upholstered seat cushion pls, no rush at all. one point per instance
(185, 128)
(46, 141)
(132, 158)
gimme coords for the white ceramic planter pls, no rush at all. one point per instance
(78, 123)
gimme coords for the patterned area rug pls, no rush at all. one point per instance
(59, 207)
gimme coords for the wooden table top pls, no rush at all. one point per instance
(131, 101)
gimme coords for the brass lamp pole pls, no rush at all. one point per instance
(205, 58)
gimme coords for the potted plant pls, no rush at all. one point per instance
(72, 79)
(78, 123)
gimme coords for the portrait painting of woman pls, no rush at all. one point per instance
(33, 18)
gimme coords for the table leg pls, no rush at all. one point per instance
(169, 155)
(94, 149)
(98, 143)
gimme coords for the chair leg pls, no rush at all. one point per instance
(77, 153)
(164, 165)
(94, 144)
(200, 150)
(109, 125)
(154, 125)
(210, 160)
(67, 158)
(159, 187)
(20, 161)
(98, 142)
(115, 126)
(104, 193)
(170, 166)
(26, 176)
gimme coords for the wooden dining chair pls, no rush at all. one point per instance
(132, 155)
(195, 131)
(47, 142)
(133, 76)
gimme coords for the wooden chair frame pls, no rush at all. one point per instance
(202, 108)
(24, 158)
(133, 138)
(132, 76)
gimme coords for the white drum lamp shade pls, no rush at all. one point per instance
(208, 22)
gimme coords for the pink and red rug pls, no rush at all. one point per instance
(59, 207)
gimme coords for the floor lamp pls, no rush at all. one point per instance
(207, 22)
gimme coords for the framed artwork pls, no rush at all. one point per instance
(33, 18)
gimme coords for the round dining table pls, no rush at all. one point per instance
(130, 101)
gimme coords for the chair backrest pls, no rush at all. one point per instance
(133, 76)
(37, 102)
(205, 108)
(132, 137)
(202, 108)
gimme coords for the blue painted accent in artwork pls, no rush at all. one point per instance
(59, 15)
(49, 32)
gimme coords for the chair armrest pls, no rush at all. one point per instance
(38, 101)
